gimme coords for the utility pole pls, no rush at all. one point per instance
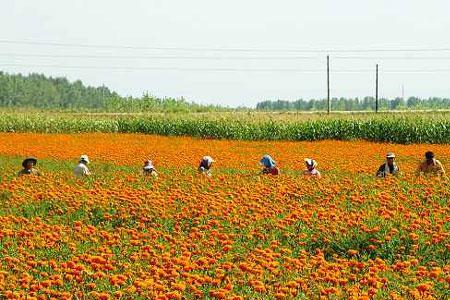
(376, 90)
(328, 85)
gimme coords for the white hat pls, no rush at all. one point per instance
(208, 158)
(148, 164)
(390, 155)
(84, 158)
(311, 162)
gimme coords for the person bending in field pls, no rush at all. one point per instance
(311, 168)
(28, 165)
(269, 165)
(389, 167)
(205, 165)
(431, 166)
(81, 170)
(148, 169)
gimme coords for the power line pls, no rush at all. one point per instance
(159, 57)
(394, 57)
(255, 50)
(417, 71)
(129, 68)
(219, 57)
(124, 68)
(179, 69)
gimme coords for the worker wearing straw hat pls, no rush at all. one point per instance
(311, 168)
(81, 170)
(389, 167)
(205, 165)
(28, 165)
(149, 169)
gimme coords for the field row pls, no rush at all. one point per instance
(402, 128)
(130, 150)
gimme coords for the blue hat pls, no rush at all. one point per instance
(267, 161)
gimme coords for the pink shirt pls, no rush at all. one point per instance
(313, 172)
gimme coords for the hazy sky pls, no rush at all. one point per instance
(243, 51)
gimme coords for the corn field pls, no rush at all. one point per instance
(401, 128)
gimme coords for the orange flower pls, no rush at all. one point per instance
(233, 236)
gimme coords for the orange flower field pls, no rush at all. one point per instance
(236, 235)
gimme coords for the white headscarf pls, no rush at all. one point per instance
(208, 159)
(148, 165)
(311, 162)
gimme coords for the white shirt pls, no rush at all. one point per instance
(313, 172)
(81, 170)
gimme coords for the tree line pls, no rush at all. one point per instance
(41, 92)
(355, 104)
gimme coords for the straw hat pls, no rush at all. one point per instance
(390, 155)
(85, 158)
(28, 159)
